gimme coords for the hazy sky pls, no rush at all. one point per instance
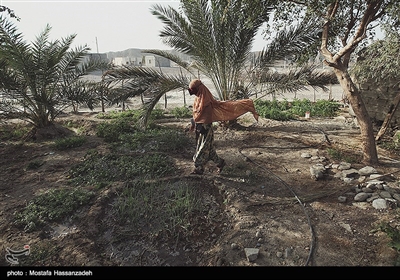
(117, 25)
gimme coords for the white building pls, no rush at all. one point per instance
(120, 61)
(148, 61)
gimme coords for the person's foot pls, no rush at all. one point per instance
(221, 166)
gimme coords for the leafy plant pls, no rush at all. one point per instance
(13, 132)
(159, 206)
(112, 131)
(156, 139)
(98, 168)
(393, 233)
(132, 114)
(51, 206)
(285, 110)
(69, 142)
(181, 112)
(346, 156)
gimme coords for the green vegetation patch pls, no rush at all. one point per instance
(132, 114)
(346, 156)
(285, 110)
(69, 142)
(101, 169)
(111, 131)
(52, 205)
(393, 233)
(13, 132)
(156, 139)
(182, 112)
(157, 206)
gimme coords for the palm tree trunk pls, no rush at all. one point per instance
(370, 155)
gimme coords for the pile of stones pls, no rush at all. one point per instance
(369, 185)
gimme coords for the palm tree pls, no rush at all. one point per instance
(218, 36)
(41, 79)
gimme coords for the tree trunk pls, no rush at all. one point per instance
(388, 118)
(370, 154)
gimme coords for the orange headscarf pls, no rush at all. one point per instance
(206, 109)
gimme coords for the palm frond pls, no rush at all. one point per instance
(290, 42)
(134, 81)
(296, 79)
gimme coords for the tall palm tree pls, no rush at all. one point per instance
(41, 79)
(218, 36)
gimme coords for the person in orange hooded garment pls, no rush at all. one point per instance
(206, 110)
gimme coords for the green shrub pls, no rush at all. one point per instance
(346, 156)
(112, 130)
(98, 169)
(157, 206)
(325, 108)
(13, 132)
(181, 112)
(132, 114)
(285, 110)
(51, 206)
(155, 139)
(69, 142)
(273, 110)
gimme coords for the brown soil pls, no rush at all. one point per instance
(253, 203)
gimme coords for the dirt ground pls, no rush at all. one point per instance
(272, 204)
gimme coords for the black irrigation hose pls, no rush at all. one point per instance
(298, 199)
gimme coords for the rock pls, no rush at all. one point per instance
(317, 171)
(348, 180)
(306, 155)
(234, 246)
(396, 196)
(350, 173)
(288, 251)
(342, 199)
(367, 170)
(251, 254)
(322, 159)
(379, 203)
(373, 197)
(346, 226)
(362, 196)
(335, 166)
(374, 176)
(367, 190)
(344, 166)
(376, 184)
(385, 194)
